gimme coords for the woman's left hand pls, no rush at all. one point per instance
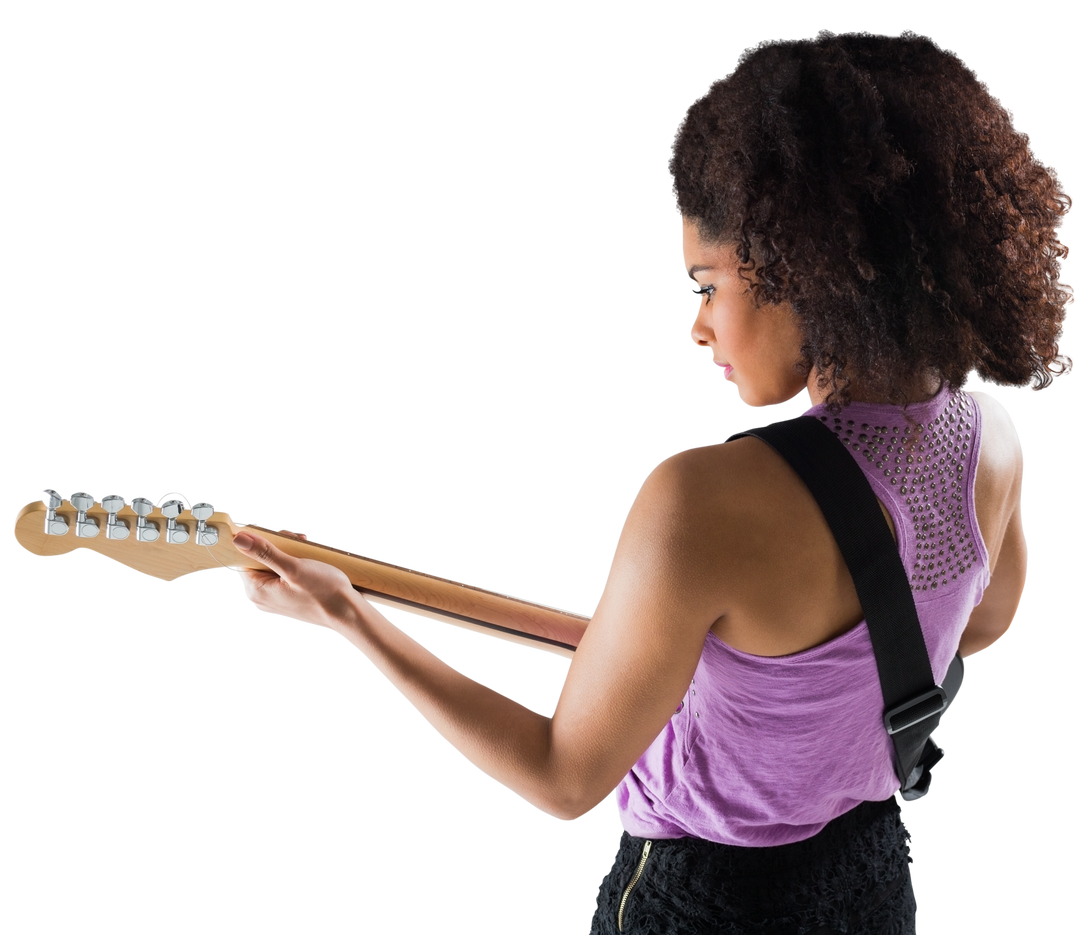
(296, 587)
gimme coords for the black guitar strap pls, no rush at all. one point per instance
(913, 702)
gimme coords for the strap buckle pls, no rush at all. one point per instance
(907, 713)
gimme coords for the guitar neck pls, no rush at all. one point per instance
(442, 599)
(165, 557)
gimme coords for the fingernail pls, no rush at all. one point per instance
(243, 542)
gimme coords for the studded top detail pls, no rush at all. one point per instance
(766, 750)
(923, 472)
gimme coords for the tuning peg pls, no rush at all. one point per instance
(145, 531)
(85, 527)
(176, 533)
(54, 525)
(115, 528)
(204, 535)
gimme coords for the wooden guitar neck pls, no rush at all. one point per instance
(174, 543)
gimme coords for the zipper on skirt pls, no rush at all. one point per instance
(633, 881)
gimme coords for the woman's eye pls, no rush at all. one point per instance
(706, 291)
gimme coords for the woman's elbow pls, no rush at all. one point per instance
(569, 813)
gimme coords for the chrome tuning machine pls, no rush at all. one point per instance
(145, 530)
(175, 533)
(54, 525)
(115, 528)
(85, 527)
(204, 535)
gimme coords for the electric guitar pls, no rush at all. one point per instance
(175, 540)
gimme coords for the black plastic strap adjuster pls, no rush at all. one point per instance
(904, 715)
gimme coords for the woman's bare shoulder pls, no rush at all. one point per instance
(999, 438)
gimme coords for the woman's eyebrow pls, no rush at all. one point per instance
(694, 270)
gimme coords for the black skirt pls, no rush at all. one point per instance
(852, 878)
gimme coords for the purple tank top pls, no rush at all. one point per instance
(766, 750)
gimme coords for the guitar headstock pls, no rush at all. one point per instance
(166, 541)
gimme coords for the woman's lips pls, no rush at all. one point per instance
(727, 369)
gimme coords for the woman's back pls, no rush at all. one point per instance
(786, 586)
(788, 671)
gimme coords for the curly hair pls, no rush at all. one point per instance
(874, 183)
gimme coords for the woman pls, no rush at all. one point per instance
(860, 219)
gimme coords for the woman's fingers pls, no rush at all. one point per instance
(266, 552)
(292, 535)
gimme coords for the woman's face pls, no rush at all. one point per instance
(757, 347)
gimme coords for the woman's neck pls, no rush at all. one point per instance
(930, 387)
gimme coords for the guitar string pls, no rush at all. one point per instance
(210, 549)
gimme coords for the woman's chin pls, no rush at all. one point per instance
(751, 402)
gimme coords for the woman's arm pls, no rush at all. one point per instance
(991, 618)
(626, 679)
(994, 617)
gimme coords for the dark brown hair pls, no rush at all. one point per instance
(874, 183)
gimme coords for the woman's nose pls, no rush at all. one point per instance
(700, 333)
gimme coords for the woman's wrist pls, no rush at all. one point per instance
(354, 618)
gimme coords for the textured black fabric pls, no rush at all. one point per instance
(852, 879)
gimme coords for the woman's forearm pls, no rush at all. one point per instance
(503, 738)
